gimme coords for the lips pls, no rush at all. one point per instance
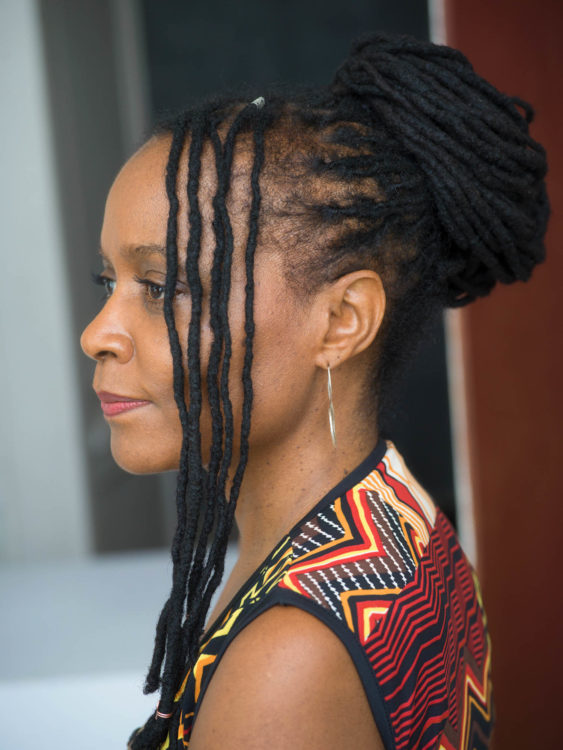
(113, 404)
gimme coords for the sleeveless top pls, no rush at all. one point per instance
(381, 566)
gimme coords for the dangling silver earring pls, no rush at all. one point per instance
(331, 409)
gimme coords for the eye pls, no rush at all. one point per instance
(154, 292)
(108, 284)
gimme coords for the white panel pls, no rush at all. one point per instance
(43, 509)
(437, 21)
(457, 387)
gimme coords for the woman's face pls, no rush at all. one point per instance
(128, 339)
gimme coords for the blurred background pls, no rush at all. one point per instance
(83, 546)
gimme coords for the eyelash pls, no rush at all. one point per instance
(150, 286)
(104, 281)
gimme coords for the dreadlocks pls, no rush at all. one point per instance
(409, 164)
(202, 504)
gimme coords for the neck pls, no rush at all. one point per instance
(284, 481)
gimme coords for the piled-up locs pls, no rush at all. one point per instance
(410, 164)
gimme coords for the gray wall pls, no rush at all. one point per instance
(94, 61)
(74, 95)
(43, 493)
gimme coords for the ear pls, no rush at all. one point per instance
(352, 310)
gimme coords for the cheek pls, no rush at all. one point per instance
(147, 443)
(148, 440)
(282, 372)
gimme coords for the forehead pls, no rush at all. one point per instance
(137, 208)
(139, 190)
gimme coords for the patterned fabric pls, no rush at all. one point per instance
(381, 566)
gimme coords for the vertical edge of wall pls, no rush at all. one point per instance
(43, 490)
(514, 361)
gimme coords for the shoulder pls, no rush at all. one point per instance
(285, 681)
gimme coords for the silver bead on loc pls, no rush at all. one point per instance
(259, 102)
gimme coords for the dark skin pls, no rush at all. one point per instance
(316, 699)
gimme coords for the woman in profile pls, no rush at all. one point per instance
(269, 267)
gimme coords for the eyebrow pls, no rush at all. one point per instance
(132, 252)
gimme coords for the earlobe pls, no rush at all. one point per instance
(354, 307)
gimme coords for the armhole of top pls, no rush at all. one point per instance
(357, 654)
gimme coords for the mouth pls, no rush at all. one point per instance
(112, 404)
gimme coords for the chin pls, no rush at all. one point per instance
(135, 460)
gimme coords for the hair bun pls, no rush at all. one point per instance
(484, 171)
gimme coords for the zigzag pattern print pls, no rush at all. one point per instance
(432, 658)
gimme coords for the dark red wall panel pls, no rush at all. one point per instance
(514, 351)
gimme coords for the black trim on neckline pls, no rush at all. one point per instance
(350, 480)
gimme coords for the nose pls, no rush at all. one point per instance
(104, 338)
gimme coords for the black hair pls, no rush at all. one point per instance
(408, 163)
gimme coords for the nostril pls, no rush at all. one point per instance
(117, 346)
(103, 354)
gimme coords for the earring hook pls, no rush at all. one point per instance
(331, 420)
